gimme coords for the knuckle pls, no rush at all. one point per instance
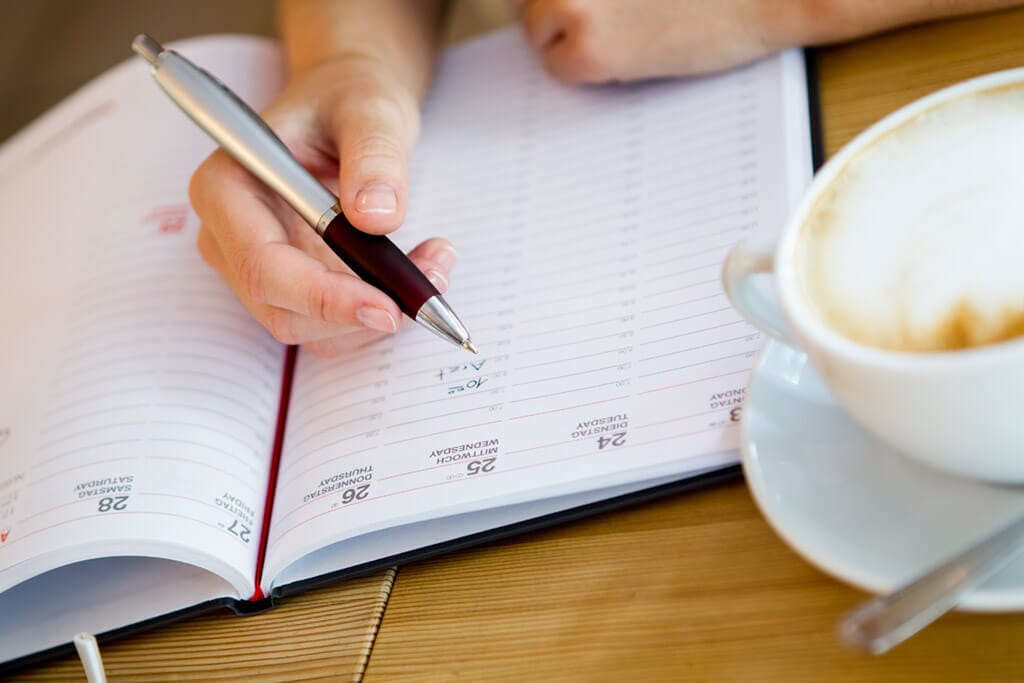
(377, 122)
(532, 24)
(571, 11)
(557, 18)
(376, 146)
(278, 323)
(327, 303)
(380, 106)
(581, 60)
(322, 349)
(401, 111)
(250, 274)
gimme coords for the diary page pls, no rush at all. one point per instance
(591, 224)
(138, 398)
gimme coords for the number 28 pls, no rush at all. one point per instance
(117, 503)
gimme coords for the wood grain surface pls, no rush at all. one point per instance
(863, 81)
(323, 635)
(692, 588)
(696, 588)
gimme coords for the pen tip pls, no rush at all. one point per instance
(469, 345)
(147, 48)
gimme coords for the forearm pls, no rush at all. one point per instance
(815, 22)
(402, 34)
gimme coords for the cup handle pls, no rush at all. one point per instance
(743, 262)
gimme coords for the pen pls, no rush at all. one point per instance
(244, 135)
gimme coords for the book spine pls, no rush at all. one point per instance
(287, 375)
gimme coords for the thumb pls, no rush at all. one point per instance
(375, 133)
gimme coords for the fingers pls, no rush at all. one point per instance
(339, 346)
(280, 270)
(565, 34)
(301, 301)
(289, 327)
(313, 323)
(284, 277)
(374, 131)
(436, 258)
(280, 275)
(286, 326)
(227, 197)
(547, 20)
(571, 60)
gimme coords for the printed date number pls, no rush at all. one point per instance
(242, 531)
(117, 503)
(357, 493)
(478, 466)
(616, 439)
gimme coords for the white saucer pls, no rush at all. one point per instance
(853, 507)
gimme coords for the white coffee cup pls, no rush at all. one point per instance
(959, 410)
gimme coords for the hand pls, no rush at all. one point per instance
(351, 123)
(594, 41)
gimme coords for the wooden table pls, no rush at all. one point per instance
(692, 588)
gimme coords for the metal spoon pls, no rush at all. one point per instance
(886, 621)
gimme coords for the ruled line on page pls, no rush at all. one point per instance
(555, 235)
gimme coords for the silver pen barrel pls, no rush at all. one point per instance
(236, 128)
(244, 135)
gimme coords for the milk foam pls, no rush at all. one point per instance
(919, 244)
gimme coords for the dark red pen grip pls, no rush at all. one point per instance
(377, 260)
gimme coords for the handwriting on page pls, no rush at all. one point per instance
(591, 226)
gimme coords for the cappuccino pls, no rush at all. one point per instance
(918, 244)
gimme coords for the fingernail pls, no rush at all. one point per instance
(446, 256)
(438, 279)
(376, 319)
(377, 198)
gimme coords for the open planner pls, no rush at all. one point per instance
(160, 452)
